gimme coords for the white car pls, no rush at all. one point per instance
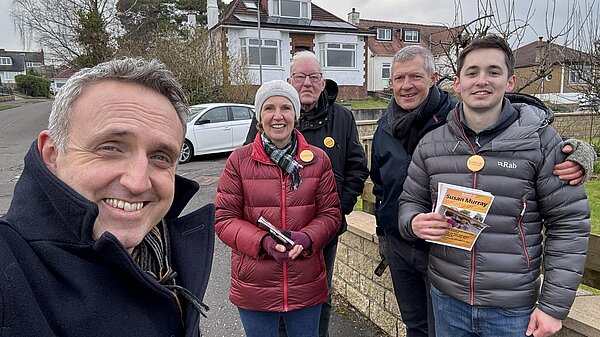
(214, 128)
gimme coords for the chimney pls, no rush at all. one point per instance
(191, 18)
(540, 41)
(354, 17)
(212, 13)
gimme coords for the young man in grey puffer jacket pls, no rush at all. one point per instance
(494, 290)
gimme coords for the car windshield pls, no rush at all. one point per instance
(194, 111)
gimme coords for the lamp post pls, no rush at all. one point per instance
(259, 45)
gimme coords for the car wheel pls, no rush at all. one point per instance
(187, 151)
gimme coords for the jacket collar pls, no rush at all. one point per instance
(520, 121)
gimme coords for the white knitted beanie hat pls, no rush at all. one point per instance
(276, 88)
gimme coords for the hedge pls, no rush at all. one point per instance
(34, 86)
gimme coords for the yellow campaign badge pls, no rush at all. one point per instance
(329, 142)
(307, 156)
(475, 163)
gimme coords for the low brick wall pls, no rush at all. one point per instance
(581, 125)
(366, 128)
(357, 257)
(367, 114)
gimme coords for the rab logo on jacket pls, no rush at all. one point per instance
(507, 165)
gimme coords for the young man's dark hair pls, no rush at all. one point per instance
(488, 42)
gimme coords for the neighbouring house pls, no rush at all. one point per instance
(562, 82)
(288, 26)
(60, 79)
(389, 37)
(13, 63)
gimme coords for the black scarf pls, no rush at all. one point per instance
(407, 125)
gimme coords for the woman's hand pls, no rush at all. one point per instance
(274, 249)
(280, 252)
(302, 241)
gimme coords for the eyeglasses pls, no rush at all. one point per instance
(300, 77)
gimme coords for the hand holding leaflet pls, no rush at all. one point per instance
(465, 210)
(277, 233)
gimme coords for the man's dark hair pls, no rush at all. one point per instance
(488, 42)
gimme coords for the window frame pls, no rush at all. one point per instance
(4, 59)
(387, 66)
(405, 32)
(326, 47)
(386, 32)
(575, 71)
(304, 9)
(9, 76)
(235, 108)
(245, 47)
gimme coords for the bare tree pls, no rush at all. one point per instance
(204, 71)
(509, 20)
(585, 71)
(588, 65)
(57, 25)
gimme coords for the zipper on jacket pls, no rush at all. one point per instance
(283, 222)
(472, 278)
(520, 227)
(475, 175)
(477, 140)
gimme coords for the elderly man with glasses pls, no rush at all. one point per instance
(331, 127)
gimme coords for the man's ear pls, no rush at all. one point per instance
(434, 78)
(512, 82)
(456, 84)
(48, 150)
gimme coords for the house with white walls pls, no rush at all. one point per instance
(282, 27)
(390, 36)
(13, 63)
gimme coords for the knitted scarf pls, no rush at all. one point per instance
(152, 255)
(406, 125)
(284, 157)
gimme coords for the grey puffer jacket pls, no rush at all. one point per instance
(504, 266)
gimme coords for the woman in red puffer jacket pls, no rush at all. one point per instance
(290, 183)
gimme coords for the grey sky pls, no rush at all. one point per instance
(426, 12)
(9, 39)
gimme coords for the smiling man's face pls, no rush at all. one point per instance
(121, 153)
(411, 82)
(483, 80)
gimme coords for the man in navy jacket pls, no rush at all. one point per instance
(92, 244)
